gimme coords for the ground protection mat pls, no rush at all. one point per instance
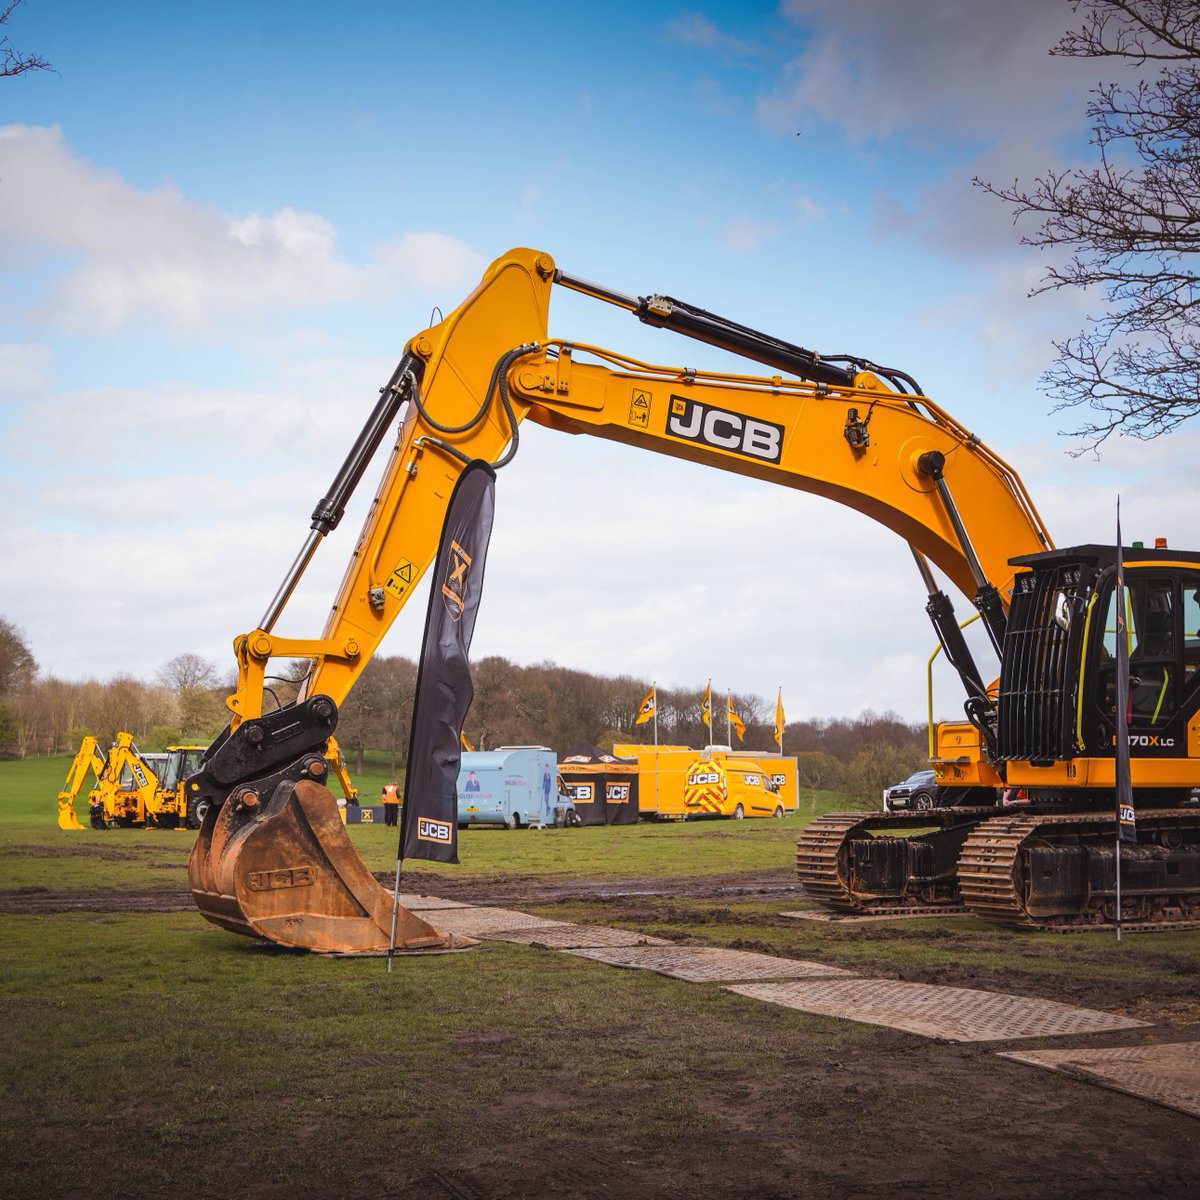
(416, 903)
(479, 922)
(1168, 1074)
(706, 964)
(955, 1014)
(567, 936)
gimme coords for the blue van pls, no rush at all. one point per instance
(513, 786)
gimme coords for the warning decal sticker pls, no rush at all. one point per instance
(401, 579)
(639, 408)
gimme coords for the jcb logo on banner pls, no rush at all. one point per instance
(617, 793)
(434, 831)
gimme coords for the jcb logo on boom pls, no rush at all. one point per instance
(696, 422)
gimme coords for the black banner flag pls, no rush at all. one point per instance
(1126, 816)
(429, 822)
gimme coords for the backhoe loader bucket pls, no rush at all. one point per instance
(66, 813)
(286, 870)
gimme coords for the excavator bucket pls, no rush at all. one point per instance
(66, 812)
(286, 870)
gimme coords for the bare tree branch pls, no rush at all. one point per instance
(12, 61)
(1131, 225)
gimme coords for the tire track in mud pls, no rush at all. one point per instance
(491, 890)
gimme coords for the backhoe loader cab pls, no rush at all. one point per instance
(156, 761)
(171, 808)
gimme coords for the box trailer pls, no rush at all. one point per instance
(513, 786)
(604, 787)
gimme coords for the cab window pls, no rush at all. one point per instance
(1150, 632)
(1190, 608)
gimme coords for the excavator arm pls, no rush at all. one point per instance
(87, 758)
(841, 428)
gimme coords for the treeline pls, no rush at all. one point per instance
(40, 714)
(541, 704)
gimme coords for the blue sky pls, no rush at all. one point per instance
(220, 224)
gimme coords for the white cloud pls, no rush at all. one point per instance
(695, 29)
(746, 233)
(970, 86)
(117, 252)
(929, 69)
(430, 261)
(24, 368)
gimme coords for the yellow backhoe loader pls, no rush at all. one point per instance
(273, 860)
(123, 791)
(135, 789)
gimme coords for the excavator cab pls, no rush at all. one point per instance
(1058, 684)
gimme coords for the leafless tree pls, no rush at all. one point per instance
(818, 771)
(874, 767)
(1130, 224)
(187, 671)
(12, 61)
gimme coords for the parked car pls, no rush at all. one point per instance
(918, 791)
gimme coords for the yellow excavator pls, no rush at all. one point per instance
(272, 858)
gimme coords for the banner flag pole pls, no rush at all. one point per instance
(1123, 790)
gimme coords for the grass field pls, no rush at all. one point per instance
(36, 853)
(152, 1054)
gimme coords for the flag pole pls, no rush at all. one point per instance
(1118, 883)
(395, 914)
(1126, 815)
(656, 761)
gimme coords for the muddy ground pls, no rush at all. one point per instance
(890, 1114)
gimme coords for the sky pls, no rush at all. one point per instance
(220, 223)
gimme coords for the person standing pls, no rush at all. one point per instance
(391, 804)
